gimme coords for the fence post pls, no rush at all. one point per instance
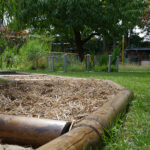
(47, 62)
(1, 62)
(88, 62)
(117, 63)
(65, 62)
(109, 64)
(52, 62)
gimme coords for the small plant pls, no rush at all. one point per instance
(59, 66)
(42, 64)
(8, 58)
(104, 68)
(115, 53)
(103, 59)
(76, 68)
(96, 68)
(111, 134)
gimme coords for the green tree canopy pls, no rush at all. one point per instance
(81, 19)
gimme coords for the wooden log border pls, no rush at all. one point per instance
(89, 132)
(30, 131)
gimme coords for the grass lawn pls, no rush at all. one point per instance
(134, 130)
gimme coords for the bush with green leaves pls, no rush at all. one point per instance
(115, 53)
(34, 50)
(59, 66)
(9, 58)
(104, 68)
(102, 64)
(78, 67)
(103, 59)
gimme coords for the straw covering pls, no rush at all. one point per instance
(57, 98)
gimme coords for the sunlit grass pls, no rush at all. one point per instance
(134, 68)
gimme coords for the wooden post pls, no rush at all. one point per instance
(140, 57)
(1, 62)
(65, 62)
(123, 50)
(47, 63)
(109, 64)
(30, 131)
(52, 63)
(88, 62)
(117, 63)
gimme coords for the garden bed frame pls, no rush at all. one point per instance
(89, 132)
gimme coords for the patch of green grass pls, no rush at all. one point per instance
(134, 130)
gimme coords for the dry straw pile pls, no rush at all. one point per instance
(59, 98)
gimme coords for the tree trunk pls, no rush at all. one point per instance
(128, 39)
(2, 15)
(79, 44)
(114, 43)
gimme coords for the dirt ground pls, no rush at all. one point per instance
(58, 98)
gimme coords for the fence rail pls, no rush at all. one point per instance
(63, 62)
(68, 63)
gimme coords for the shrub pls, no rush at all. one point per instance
(103, 59)
(42, 64)
(96, 68)
(34, 50)
(113, 68)
(77, 68)
(8, 58)
(115, 53)
(104, 68)
(59, 66)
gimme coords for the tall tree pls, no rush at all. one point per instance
(1, 11)
(5, 10)
(81, 18)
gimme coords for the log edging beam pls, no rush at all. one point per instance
(90, 131)
(30, 131)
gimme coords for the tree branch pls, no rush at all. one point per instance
(89, 37)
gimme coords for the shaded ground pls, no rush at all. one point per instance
(51, 97)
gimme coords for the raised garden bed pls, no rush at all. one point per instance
(57, 98)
